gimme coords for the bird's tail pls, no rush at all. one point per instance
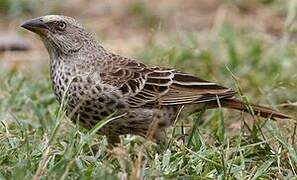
(258, 110)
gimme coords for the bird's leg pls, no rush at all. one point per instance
(113, 140)
(160, 136)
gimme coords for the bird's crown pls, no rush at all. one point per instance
(57, 18)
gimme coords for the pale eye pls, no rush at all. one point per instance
(62, 25)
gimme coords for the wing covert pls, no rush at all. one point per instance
(144, 86)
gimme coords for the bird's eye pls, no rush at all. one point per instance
(62, 25)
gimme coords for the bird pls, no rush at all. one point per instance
(144, 100)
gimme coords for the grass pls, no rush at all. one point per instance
(38, 142)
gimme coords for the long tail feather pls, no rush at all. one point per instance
(259, 110)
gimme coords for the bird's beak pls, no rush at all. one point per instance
(36, 26)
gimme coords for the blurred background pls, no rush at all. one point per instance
(255, 40)
(128, 25)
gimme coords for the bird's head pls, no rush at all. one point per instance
(60, 34)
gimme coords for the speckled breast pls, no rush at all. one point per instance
(86, 99)
(92, 102)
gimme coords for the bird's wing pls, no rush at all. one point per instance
(170, 87)
(143, 85)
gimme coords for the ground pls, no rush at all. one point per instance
(247, 45)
